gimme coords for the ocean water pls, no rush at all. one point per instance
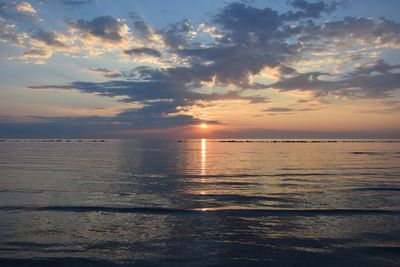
(199, 203)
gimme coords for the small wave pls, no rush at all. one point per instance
(302, 180)
(237, 198)
(239, 175)
(145, 175)
(302, 174)
(366, 153)
(375, 153)
(387, 248)
(33, 191)
(200, 181)
(234, 175)
(59, 261)
(227, 211)
(376, 189)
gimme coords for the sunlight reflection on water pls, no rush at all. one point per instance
(203, 156)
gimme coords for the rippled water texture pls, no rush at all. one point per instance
(199, 202)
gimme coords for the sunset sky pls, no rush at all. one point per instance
(253, 69)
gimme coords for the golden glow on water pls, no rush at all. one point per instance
(203, 156)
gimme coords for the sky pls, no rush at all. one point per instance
(245, 69)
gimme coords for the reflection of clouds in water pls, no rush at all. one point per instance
(203, 156)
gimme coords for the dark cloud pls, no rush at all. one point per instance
(106, 28)
(141, 30)
(250, 40)
(155, 116)
(228, 64)
(310, 10)
(143, 51)
(148, 91)
(305, 82)
(248, 25)
(278, 109)
(76, 3)
(177, 35)
(164, 93)
(48, 38)
(375, 80)
(151, 116)
(303, 101)
(93, 126)
(378, 67)
(101, 70)
(285, 110)
(350, 30)
(107, 73)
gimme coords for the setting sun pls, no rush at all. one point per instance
(203, 125)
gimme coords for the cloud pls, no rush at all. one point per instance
(350, 31)
(149, 91)
(107, 29)
(149, 117)
(126, 124)
(178, 35)
(8, 34)
(166, 95)
(310, 10)
(51, 42)
(141, 29)
(85, 37)
(143, 51)
(76, 3)
(36, 53)
(278, 109)
(245, 24)
(107, 73)
(22, 12)
(303, 101)
(250, 39)
(50, 39)
(273, 111)
(231, 64)
(375, 80)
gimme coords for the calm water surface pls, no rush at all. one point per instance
(199, 203)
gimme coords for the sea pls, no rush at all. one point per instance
(204, 202)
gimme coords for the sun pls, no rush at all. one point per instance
(203, 126)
